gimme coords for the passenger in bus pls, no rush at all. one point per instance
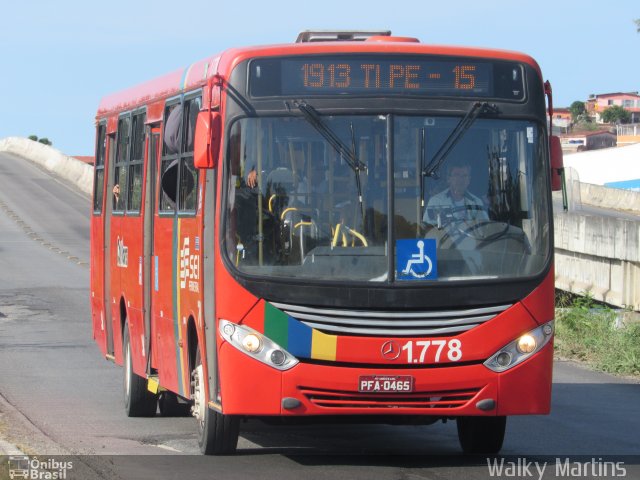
(295, 175)
(116, 197)
(173, 130)
(455, 202)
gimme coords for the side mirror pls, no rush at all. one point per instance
(557, 163)
(207, 140)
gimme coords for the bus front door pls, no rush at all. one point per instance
(153, 150)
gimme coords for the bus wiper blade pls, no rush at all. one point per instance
(454, 137)
(312, 116)
(350, 156)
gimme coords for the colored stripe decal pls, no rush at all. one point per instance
(323, 346)
(155, 270)
(185, 76)
(176, 301)
(299, 339)
(276, 325)
(296, 337)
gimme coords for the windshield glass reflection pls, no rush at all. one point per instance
(297, 208)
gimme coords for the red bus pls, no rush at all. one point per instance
(352, 227)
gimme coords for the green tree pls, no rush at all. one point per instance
(45, 141)
(33, 137)
(577, 110)
(579, 116)
(615, 114)
(638, 24)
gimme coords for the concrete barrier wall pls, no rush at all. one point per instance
(75, 171)
(600, 255)
(610, 198)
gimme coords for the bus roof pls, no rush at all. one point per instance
(197, 74)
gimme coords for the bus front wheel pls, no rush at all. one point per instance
(217, 433)
(481, 435)
(138, 401)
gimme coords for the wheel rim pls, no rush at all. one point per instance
(199, 406)
(127, 370)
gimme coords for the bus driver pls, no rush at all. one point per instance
(455, 202)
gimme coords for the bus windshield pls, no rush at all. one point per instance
(296, 207)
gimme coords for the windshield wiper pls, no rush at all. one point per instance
(349, 154)
(454, 137)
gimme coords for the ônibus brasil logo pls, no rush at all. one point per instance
(32, 468)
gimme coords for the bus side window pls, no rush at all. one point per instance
(98, 184)
(179, 176)
(170, 153)
(136, 158)
(188, 173)
(120, 179)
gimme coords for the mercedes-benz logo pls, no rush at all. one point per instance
(390, 350)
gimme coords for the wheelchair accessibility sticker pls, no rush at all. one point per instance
(416, 259)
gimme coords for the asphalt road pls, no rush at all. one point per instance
(59, 396)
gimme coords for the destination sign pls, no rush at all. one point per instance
(385, 75)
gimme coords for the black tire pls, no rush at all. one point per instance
(138, 401)
(217, 433)
(481, 435)
(170, 406)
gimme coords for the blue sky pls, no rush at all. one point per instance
(60, 57)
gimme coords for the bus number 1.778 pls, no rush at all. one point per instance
(432, 351)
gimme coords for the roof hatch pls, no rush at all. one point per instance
(340, 35)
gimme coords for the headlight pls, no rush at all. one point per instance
(256, 345)
(520, 349)
(526, 343)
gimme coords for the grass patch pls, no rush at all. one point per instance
(586, 331)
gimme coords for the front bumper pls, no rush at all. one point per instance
(249, 387)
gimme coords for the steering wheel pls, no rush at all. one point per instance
(477, 229)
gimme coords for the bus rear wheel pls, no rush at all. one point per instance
(138, 401)
(217, 433)
(481, 435)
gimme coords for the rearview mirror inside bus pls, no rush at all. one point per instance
(207, 140)
(557, 163)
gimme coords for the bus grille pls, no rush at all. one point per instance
(345, 399)
(391, 323)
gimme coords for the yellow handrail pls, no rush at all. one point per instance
(286, 210)
(352, 232)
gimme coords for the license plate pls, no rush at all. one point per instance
(385, 383)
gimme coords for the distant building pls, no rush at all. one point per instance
(561, 120)
(629, 101)
(628, 134)
(581, 141)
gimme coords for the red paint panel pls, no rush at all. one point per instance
(130, 236)
(112, 125)
(115, 287)
(526, 388)
(540, 303)
(248, 387)
(96, 266)
(155, 112)
(255, 318)
(162, 304)
(189, 287)
(233, 302)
